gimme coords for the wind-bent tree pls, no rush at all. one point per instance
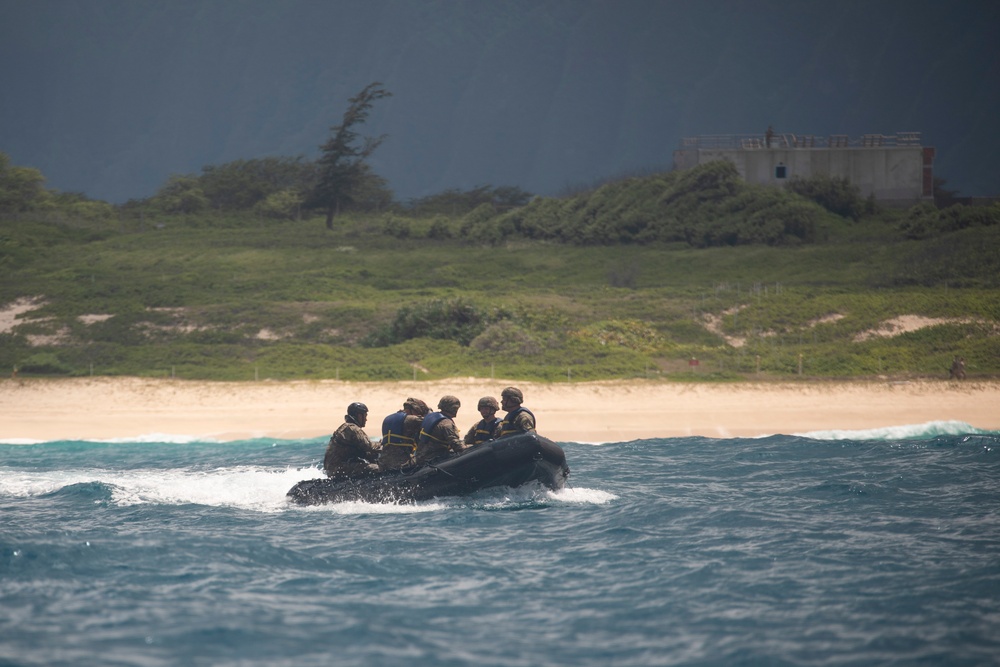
(341, 167)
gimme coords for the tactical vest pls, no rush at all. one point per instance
(430, 421)
(484, 430)
(507, 425)
(392, 431)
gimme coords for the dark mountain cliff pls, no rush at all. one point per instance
(109, 97)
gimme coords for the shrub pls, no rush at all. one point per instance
(709, 205)
(44, 363)
(456, 202)
(629, 334)
(395, 227)
(835, 194)
(439, 229)
(958, 217)
(506, 338)
(281, 205)
(921, 221)
(447, 319)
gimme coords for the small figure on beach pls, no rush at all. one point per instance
(351, 452)
(400, 431)
(439, 436)
(486, 428)
(518, 419)
(957, 371)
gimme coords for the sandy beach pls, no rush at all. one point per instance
(104, 408)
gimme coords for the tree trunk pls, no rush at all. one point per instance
(331, 213)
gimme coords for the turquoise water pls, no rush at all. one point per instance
(833, 548)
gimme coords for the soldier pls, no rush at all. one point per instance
(518, 419)
(400, 431)
(438, 434)
(957, 371)
(351, 452)
(486, 428)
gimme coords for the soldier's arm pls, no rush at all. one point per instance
(368, 449)
(525, 422)
(453, 438)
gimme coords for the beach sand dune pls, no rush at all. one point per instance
(102, 408)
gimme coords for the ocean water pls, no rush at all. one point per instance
(834, 548)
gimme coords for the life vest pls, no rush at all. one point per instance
(485, 430)
(430, 421)
(507, 425)
(392, 431)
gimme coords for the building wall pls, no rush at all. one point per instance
(893, 174)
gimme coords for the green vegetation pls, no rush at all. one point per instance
(634, 278)
(703, 207)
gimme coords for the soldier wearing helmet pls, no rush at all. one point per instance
(350, 452)
(518, 419)
(486, 428)
(400, 431)
(438, 434)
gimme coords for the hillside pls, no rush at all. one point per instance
(390, 297)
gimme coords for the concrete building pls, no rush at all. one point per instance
(896, 169)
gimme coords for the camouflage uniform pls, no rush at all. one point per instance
(517, 421)
(350, 452)
(486, 428)
(439, 437)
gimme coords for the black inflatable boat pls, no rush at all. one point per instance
(511, 461)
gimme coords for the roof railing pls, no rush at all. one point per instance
(788, 140)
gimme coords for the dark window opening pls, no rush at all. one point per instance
(781, 171)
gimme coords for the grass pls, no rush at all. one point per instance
(292, 300)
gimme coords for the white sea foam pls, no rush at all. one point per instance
(354, 507)
(246, 487)
(168, 438)
(904, 432)
(583, 496)
(253, 488)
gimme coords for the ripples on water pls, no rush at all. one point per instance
(853, 549)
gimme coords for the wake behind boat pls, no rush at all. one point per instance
(511, 461)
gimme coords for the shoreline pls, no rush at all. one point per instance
(99, 408)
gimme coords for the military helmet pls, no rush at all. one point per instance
(488, 402)
(356, 408)
(417, 406)
(513, 393)
(449, 402)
